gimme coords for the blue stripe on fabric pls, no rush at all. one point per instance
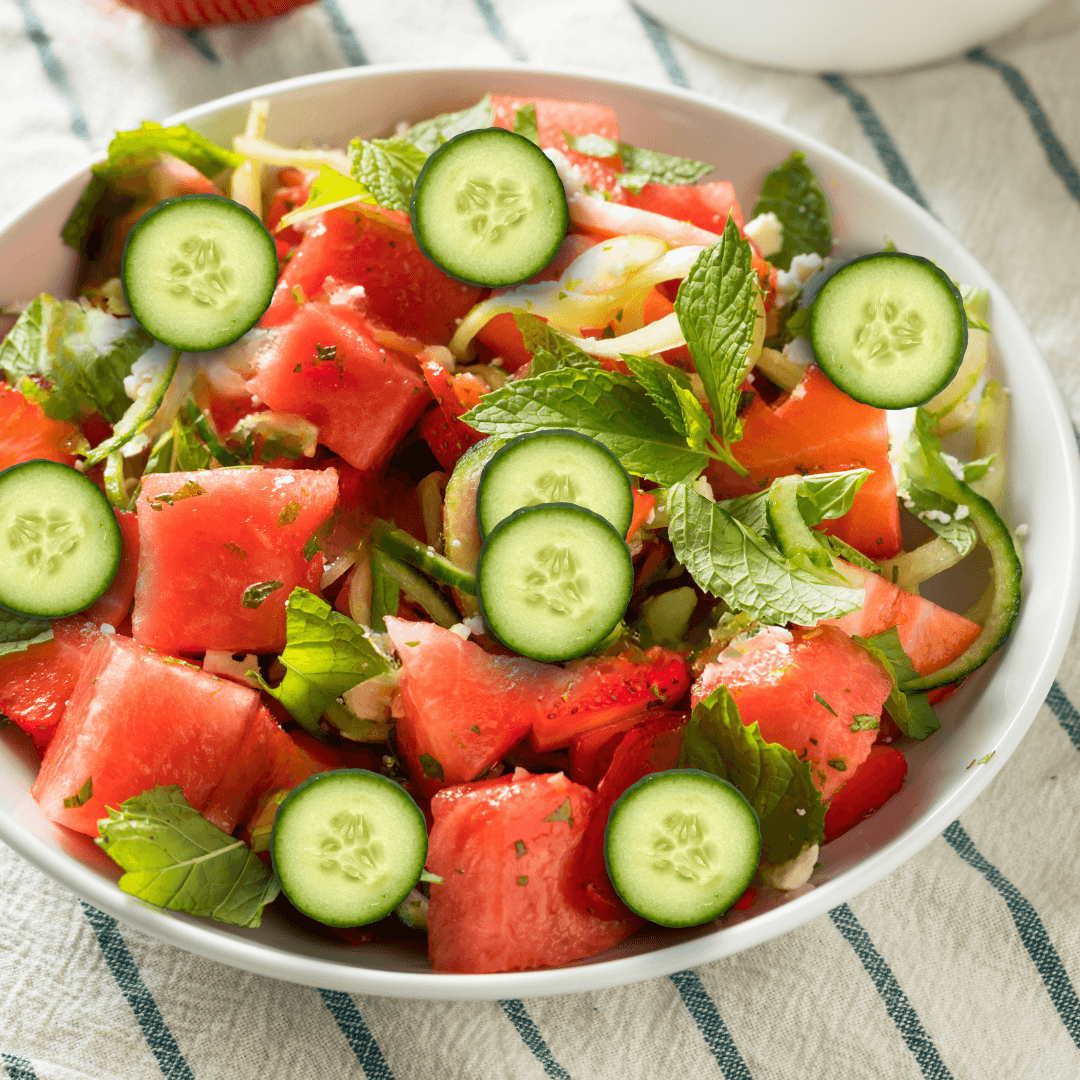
(347, 1016)
(1056, 154)
(1030, 928)
(126, 973)
(348, 42)
(496, 28)
(880, 139)
(1065, 712)
(712, 1027)
(199, 40)
(896, 1002)
(526, 1027)
(18, 1068)
(660, 42)
(54, 70)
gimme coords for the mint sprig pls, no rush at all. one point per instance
(18, 632)
(774, 781)
(387, 168)
(178, 860)
(792, 192)
(912, 713)
(525, 123)
(550, 349)
(641, 166)
(729, 561)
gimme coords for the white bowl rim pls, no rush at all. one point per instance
(197, 936)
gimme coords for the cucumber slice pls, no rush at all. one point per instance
(889, 329)
(681, 846)
(553, 581)
(555, 466)
(348, 846)
(198, 271)
(489, 208)
(59, 540)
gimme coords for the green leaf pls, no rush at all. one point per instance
(72, 360)
(525, 123)
(695, 420)
(387, 168)
(17, 632)
(328, 190)
(820, 497)
(255, 594)
(658, 380)
(792, 192)
(429, 135)
(433, 770)
(129, 156)
(912, 712)
(774, 781)
(280, 435)
(83, 795)
(845, 551)
(385, 596)
(550, 350)
(727, 560)
(717, 310)
(190, 489)
(642, 166)
(325, 654)
(610, 407)
(563, 812)
(178, 860)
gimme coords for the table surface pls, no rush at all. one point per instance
(964, 963)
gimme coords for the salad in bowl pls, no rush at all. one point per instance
(492, 537)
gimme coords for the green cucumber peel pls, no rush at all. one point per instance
(415, 587)
(408, 549)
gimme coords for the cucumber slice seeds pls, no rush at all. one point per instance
(681, 846)
(889, 329)
(198, 271)
(348, 846)
(489, 208)
(59, 540)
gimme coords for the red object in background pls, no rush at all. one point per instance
(875, 782)
(194, 13)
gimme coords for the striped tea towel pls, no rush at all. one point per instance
(962, 964)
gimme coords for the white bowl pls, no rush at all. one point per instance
(857, 36)
(991, 712)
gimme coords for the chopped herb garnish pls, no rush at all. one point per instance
(520, 848)
(83, 795)
(837, 763)
(298, 294)
(430, 878)
(326, 354)
(523, 880)
(255, 594)
(298, 369)
(824, 704)
(978, 761)
(182, 663)
(289, 513)
(475, 728)
(311, 549)
(865, 722)
(562, 813)
(188, 491)
(235, 549)
(432, 768)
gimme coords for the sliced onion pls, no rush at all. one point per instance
(360, 589)
(617, 219)
(333, 570)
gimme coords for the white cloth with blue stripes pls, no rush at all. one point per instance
(962, 964)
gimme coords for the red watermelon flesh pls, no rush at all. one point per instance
(137, 719)
(405, 291)
(651, 746)
(200, 554)
(464, 708)
(27, 433)
(591, 751)
(35, 684)
(804, 694)
(705, 205)
(361, 396)
(114, 604)
(576, 117)
(878, 779)
(505, 850)
(932, 636)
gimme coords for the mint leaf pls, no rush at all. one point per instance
(792, 192)
(727, 560)
(717, 310)
(659, 380)
(550, 350)
(387, 168)
(178, 860)
(912, 712)
(820, 497)
(774, 781)
(190, 489)
(642, 166)
(695, 420)
(429, 135)
(266, 435)
(129, 156)
(385, 596)
(17, 632)
(609, 407)
(82, 796)
(254, 595)
(525, 123)
(852, 555)
(325, 654)
(71, 359)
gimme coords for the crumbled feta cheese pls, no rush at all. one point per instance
(767, 231)
(799, 352)
(569, 174)
(346, 295)
(792, 874)
(954, 466)
(961, 512)
(800, 811)
(704, 489)
(455, 543)
(935, 515)
(476, 624)
(108, 628)
(1022, 531)
(789, 282)
(461, 630)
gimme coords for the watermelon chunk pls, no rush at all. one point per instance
(505, 849)
(705, 205)
(804, 692)
(114, 604)
(324, 367)
(932, 636)
(818, 428)
(404, 290)
(877, 780)
(442, 428)
(27, 433)
(137, 719)
(200, 554)
(464, 709)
